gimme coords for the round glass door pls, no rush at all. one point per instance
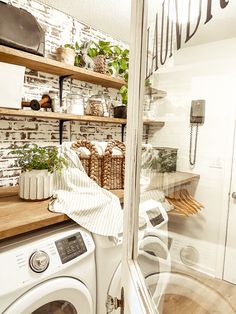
(56, 307)
(61, 295)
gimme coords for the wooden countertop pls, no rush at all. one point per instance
(18, 216)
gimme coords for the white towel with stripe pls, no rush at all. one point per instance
(83, 200)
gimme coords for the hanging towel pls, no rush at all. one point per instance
(83, 200)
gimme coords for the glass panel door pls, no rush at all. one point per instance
(230, 256)
(180, 213)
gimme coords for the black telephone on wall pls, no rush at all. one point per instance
(197, 116)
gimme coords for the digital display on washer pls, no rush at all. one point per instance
(70, 247)
(155, 217)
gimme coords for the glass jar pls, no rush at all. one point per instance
(75, 104)
(96, 106)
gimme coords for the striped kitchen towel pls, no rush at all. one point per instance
(83, 200)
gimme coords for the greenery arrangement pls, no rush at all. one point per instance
(103, 48)
(118, 59)
(124, 94)
(119, 62)
(33, 157)
(69, 46)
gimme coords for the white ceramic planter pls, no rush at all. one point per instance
(65, 55)
(36, 185)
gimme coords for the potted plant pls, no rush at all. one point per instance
(66, 54)
(78, 55)
(100, 52)
(119, 62)
(121, 111)
(37, 165)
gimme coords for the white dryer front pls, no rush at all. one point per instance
(60, 295)
(50, 271)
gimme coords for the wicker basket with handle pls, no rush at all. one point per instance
(92, 163)
(113, 167)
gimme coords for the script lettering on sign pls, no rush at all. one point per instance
(169, 23)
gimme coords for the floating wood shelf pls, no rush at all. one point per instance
(59, 116)
(180, 178)
(18, 216)
(47, 65)
(156, 93)
(169, 180)
(158, 124)
(69, 117)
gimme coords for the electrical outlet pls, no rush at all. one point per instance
(216, 163)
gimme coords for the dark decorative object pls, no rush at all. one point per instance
(20, 29)
(120, 112)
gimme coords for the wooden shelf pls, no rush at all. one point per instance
(156, 93)
(69, 117)
(47, 65)
(158, 124)
(59, 116)
(181, 178)
(18, 216)
(168, 180)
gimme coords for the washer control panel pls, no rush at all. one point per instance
(56, 251)
(70, 247)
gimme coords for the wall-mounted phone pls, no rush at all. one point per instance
(197, 116)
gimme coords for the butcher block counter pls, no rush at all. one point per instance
(18, 216)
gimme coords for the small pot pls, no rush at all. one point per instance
(100, 64)
(120, 112)
(36, 185)
(65, 55)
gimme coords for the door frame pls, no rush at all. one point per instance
(226, 195)
(228, 230)
(136, 297)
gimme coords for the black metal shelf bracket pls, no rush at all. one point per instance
(61, 122)
(122, 131)
(61, 81)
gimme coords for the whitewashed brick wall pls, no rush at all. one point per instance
(60, 29)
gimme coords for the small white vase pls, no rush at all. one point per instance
(36, 185)
(65, 55)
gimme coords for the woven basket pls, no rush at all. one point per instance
(109, 170)
(113, 167)
(93, 163)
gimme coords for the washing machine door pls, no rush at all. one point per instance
(61, 295)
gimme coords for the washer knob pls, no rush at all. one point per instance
(39, 261)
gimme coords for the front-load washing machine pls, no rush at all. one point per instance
(153, 256)
(51, 271)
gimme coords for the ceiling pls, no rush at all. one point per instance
(113, 17)
(109, 16)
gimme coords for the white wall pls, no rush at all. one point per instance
(109, 16)
(202, 72)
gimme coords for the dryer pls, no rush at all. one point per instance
(154, 257)
(51, 271)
